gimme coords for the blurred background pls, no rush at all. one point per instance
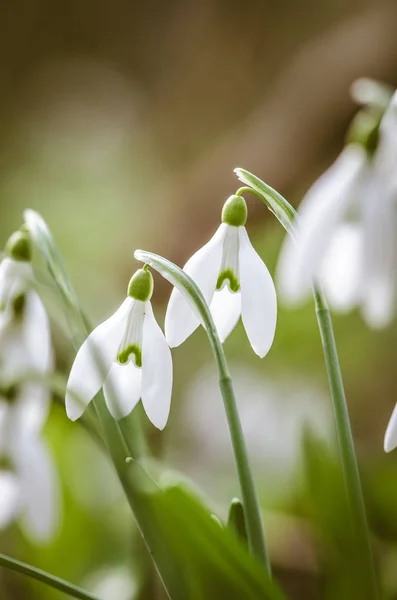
(121, 123)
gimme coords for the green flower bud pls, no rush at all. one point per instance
(234, 211)
(364, 130)
(19, 246)
(141, 285)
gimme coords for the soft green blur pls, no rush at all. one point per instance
(121, 124)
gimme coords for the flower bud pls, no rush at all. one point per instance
(234, 211)
(141, 285)
(19, 246)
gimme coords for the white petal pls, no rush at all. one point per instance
(156, 371)
(15, 277)
(93, 361)
(320, 211)
(226, 311)
(341, 270)
(39, 490)
(37, 334)
(30, 409)
(9, 498)
(203, 267)
(391, 432)
(380, 256)
(122, 389)
(4, 429)
(258, 298)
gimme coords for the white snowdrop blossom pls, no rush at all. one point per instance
(29, 488)
(234, 281)
(346, 236)
(129, 357)
(28, 481)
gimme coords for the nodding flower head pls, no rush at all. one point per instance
(234, 281)
(128, 356)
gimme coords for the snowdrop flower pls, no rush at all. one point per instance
(346, 238)
(25, 336)
(234, 281)
(129, 357)
(28, 483)
(29, 489)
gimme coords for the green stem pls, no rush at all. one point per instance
(47, 578)
(346, 445)
(255, 529)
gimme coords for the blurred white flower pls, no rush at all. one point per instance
(112, 582)
(274, 415)
(129, 357)
(346, 237)
(28, 482)
(234, 281)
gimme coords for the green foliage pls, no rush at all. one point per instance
(209, 561)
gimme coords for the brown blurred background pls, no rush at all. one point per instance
(121, 122)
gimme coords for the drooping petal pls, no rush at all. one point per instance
(39, 488)
(258, 298)
(226, 311)
(391, 432)
(4, 429)
(341, 270)
(203, 267)
(9, 498)
(122, 389)
(37, 334)
(156, 371)
(93, 361)
(29, 410)
(380, 256)
(320, 212)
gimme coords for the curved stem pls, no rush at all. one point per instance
(46, 578)
(346, 445)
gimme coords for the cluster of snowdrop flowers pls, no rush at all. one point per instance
(28, 480)
(128, 355)
(346, 237)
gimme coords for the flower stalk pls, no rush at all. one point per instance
(351, 473)
(287, 216)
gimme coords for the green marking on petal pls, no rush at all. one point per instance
(18, 304)
(8, 392)
(132, 350)
(230, 277)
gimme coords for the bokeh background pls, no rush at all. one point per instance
(121, 122)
